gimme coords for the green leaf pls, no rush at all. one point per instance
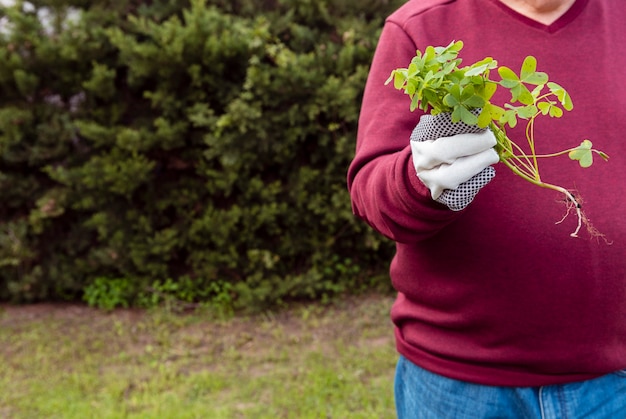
(474, 101)
(509, 78)
(509, 117)
(489, 90)
(562, 95)
(537, 91)
(527, 112)
(399, 79)
(556, 112)
(481, 67)
(520, 93)
(456, 46)
(484, 118)
(449, 52)
(429, 54)
(583, 153)
(453, 98)
(448, 68)
(529, 74)
(544, 107)
(414, 103)
(468, 95)
(550, 108)
(495, 112)
(536, 79)
(412, 87)
(413, 70)
(528, 66)
(460, 113)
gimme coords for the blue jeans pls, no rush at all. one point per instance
(421, 394)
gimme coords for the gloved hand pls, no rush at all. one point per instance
(453, 159)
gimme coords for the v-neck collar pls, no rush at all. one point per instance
(564, 20)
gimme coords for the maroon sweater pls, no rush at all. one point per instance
(499, 293)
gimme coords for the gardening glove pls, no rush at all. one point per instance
(453, 159)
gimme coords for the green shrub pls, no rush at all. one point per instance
(204, 142)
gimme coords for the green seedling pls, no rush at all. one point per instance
(435, 82)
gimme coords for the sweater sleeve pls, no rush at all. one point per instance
(383, 185)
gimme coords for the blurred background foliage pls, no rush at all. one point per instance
(194, 150)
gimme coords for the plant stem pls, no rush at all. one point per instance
(530, 130)
(529, 172)
(523, 162)
(570, 198)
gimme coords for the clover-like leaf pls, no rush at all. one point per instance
(448, 68)
(516, 84)
(537, 91)
(481, 67)
(488, 90)
(509, 78)
(562, 95)
(544, 107)
(519, 92)
(415, 102)
(529, 74)
(449, 53)
(429, 54)
(465, 96)
(509, 117)
(556, 112)
(460, 113)
(526, 112)
(484, 119)
(495, 111)
(460, 101)
(583, 153)
(488, 113)
(412, 87)
(550, 108)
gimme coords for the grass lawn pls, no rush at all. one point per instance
(310, 361)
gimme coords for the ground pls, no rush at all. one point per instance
(69, 358)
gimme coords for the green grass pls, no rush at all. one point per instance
(311, 361)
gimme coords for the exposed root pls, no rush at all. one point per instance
(574, 203)
(571, 203)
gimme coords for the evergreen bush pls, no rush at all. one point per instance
(201, 142)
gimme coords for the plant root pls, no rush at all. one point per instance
(574, 203)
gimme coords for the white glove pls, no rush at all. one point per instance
(453, 159)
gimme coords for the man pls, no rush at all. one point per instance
(500, 313)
